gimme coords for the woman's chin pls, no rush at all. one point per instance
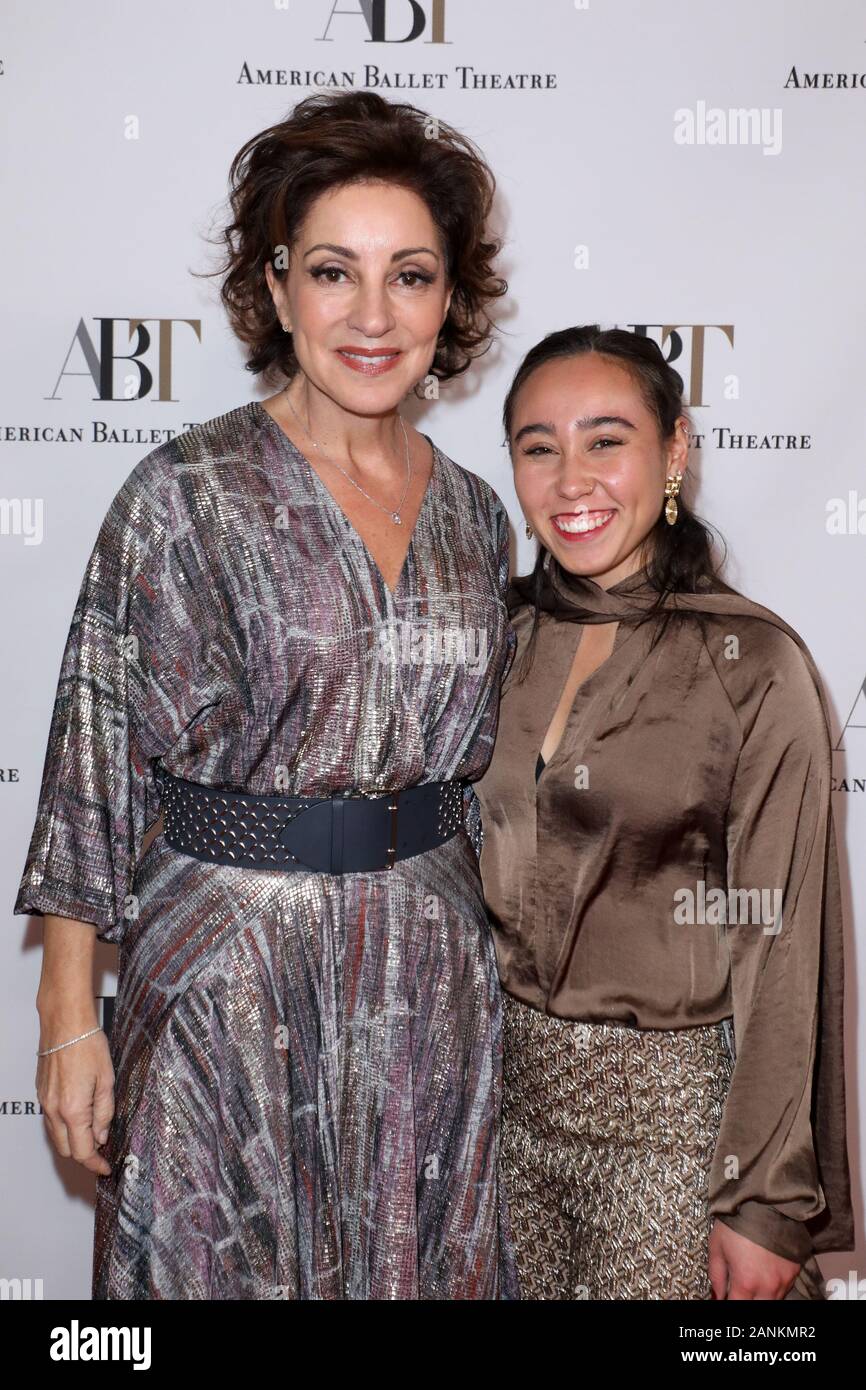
(585, 559)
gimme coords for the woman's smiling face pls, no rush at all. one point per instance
(365, 295)
(589, 466)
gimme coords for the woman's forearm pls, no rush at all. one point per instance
(65, 994)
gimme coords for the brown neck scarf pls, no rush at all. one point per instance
(577, 598)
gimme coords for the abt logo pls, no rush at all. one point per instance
(382, 16)
(675, 334)
(96, 356)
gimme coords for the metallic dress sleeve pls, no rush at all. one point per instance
(471, 805)
(97, 793)
(766, 1176)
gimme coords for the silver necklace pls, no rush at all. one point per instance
(394, 515)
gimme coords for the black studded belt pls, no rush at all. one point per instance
(348, 832)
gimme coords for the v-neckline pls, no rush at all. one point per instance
(621, 636)
(432, 482)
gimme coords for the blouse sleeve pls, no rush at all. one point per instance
(471, 805)
(98, 795)
(766, 1176)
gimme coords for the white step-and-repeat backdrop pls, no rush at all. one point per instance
(685, 169)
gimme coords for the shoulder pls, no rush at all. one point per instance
(149, 504)
(765, 666)
(222, 436)
(471, 490)
(771, 645)
(157, 478)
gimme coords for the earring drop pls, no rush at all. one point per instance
(529, 532)
(672, 487)
(286, 328)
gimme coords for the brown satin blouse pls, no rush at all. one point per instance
(695, 762)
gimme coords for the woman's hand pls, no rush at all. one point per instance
(740, 1269)
(75, 1088)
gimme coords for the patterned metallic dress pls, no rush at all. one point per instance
(307, 1066)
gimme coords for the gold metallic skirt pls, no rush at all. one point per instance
(608, 1134)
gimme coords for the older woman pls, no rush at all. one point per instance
(290, 640)
(660, 865)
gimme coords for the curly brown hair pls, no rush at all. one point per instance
(333, 139)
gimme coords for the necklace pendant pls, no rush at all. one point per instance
(395, 516)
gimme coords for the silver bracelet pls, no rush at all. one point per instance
(68, 1044)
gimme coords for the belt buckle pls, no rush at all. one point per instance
(392, 847)
(392, 807)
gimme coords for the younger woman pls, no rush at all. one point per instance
(660, 867)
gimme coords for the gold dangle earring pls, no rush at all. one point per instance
(672, 487)
(529, 532)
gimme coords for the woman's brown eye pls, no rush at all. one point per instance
(323, 270)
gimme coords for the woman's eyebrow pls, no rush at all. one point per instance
(353, 255)
(589, 422)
